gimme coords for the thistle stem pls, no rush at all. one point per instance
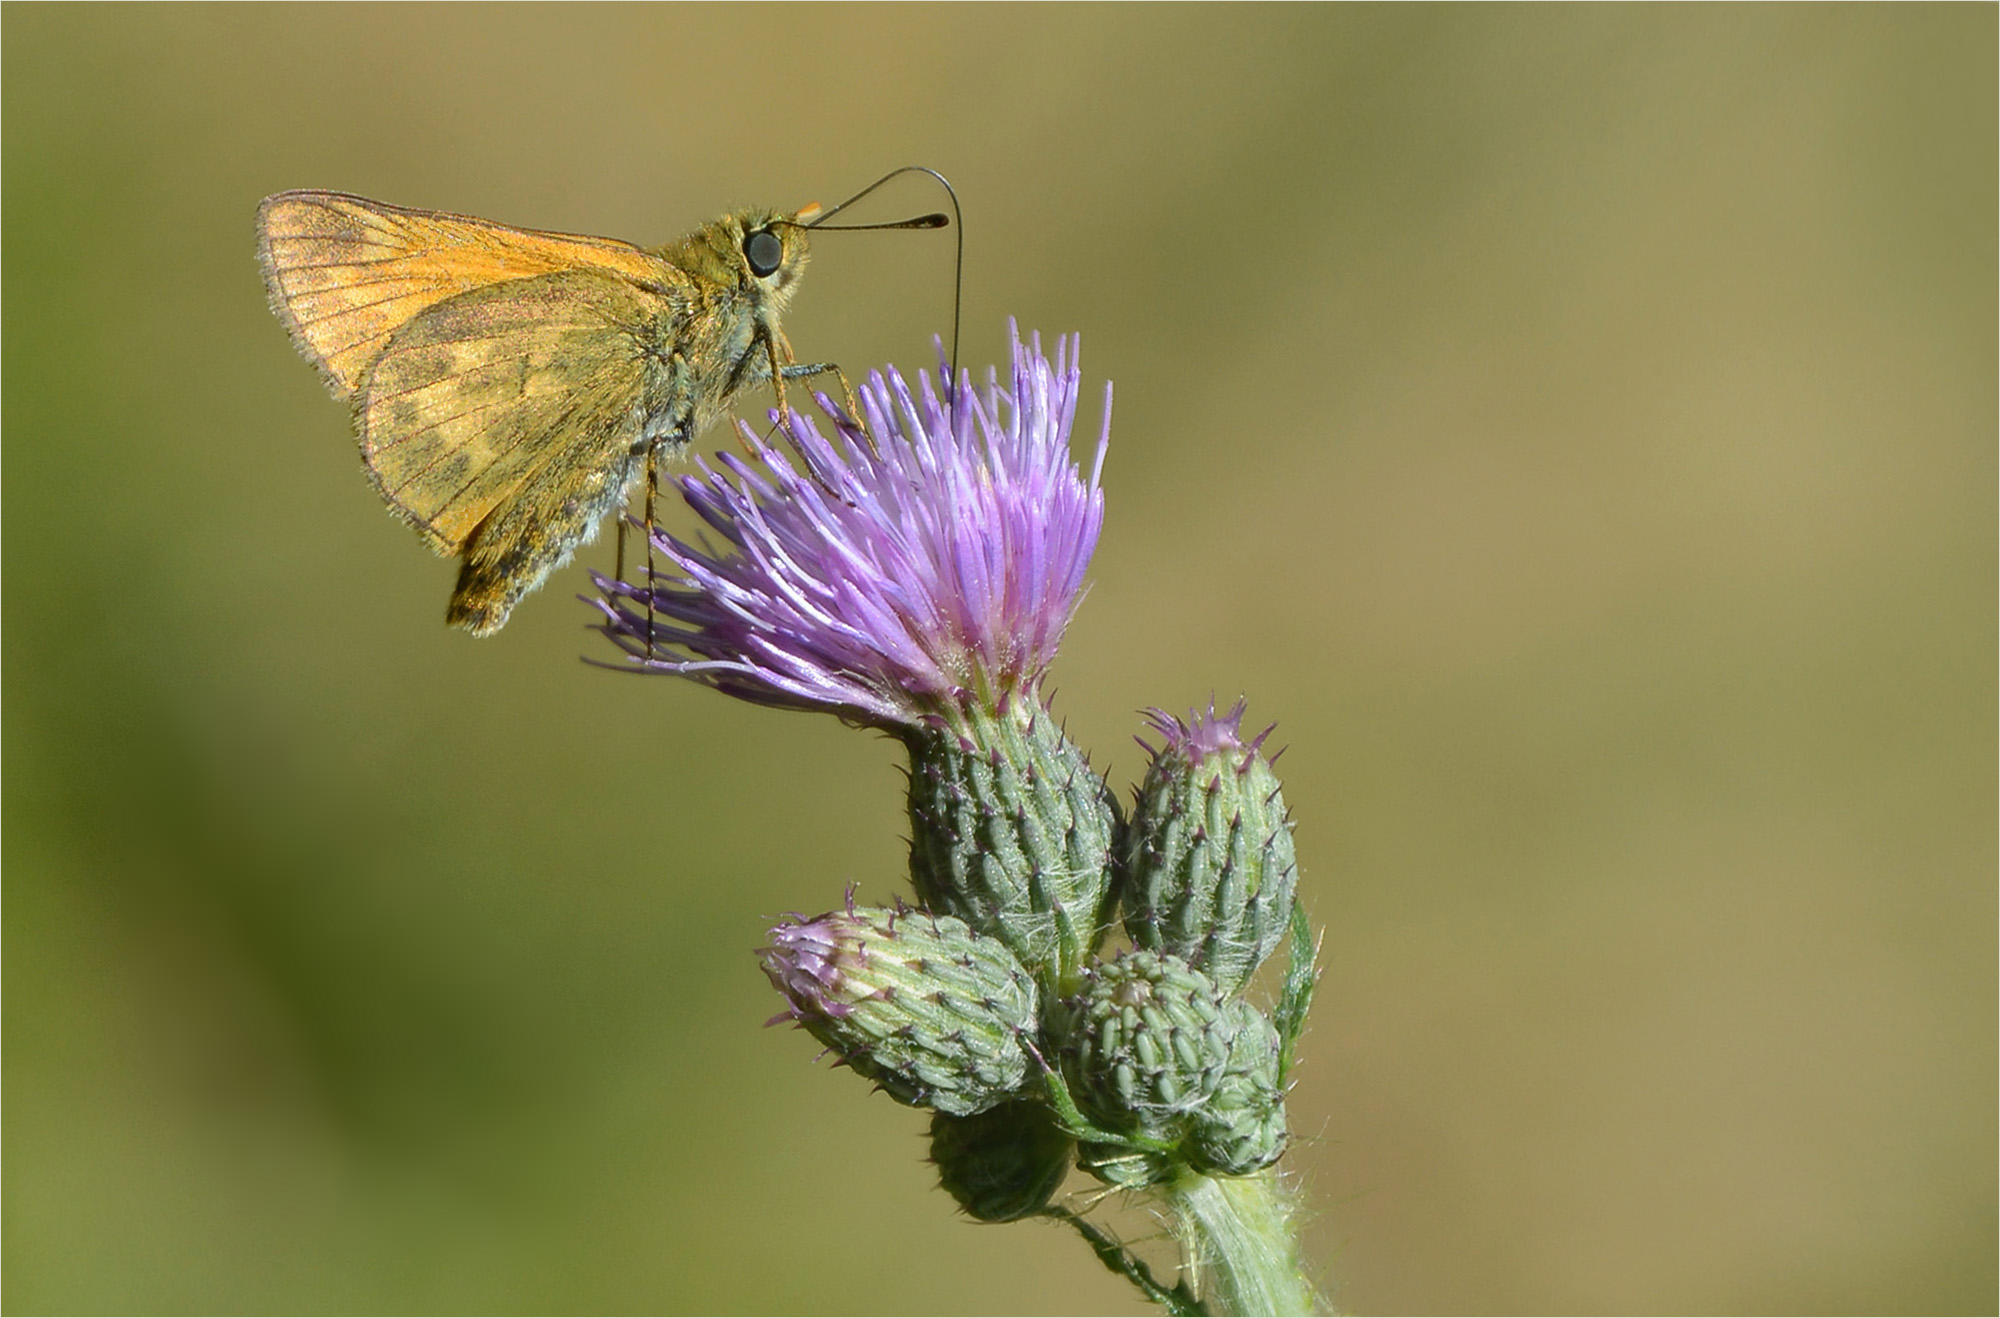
(1177, 1300)
(1241, 1241)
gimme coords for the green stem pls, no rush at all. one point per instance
(1241, 1242)
(1177, 1300)
(1074, 1123)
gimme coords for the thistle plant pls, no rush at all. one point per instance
(1070, 987)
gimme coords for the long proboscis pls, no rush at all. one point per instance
(935, 220)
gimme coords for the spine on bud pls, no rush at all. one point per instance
(1010, 831)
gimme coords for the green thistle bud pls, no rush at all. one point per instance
(929, 1010)
(1010, 831)
(1143, 1043)
(1207, 866)
(1003, 1164)
(1243, 1126)
(1152, 1048)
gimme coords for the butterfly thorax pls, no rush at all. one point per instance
(725, 326)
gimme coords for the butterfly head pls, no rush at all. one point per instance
(766, 250)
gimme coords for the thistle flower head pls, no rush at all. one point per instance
(891, 575)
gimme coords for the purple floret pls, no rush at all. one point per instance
(1200, 735)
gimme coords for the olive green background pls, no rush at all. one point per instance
(1574, 426)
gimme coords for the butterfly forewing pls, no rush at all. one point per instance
(345, 273)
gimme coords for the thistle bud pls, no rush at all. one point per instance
(1143, 1043)
(1010, 831)
(1243, 1126)
(1152, 1048)
(1005, 1163)
(1207, 866)
(929, 1010)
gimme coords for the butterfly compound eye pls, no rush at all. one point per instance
(763, 251)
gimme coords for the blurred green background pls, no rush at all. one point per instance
(1574, 426)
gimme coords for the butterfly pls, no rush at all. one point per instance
(510, 386)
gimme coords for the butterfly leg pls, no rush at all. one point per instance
(618, 570)
(850, 406)
(625, 525)
(652, 501)
(778, 352)
(849, 402)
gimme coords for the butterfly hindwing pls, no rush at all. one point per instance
(505, 422)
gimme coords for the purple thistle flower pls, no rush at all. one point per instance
(803, 963)
(893, 580)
